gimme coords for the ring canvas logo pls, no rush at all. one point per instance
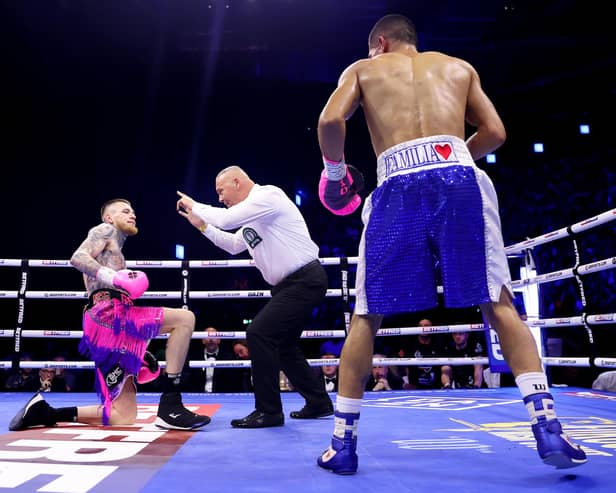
(91, 459)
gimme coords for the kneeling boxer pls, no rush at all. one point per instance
(116, 334)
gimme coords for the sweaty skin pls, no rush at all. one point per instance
(102, 247)
(406, 95)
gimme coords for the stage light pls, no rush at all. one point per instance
(538, 147)
(179, 252)
(584, 129)
(490, 158)
(298, 198)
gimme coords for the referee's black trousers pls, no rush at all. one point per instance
(274, 340)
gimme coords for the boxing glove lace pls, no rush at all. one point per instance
(134, 282)
(339, 186)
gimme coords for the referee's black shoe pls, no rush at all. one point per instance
(258, 419)
(309, 412)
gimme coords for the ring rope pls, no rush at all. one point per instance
(592, 267)
(578, 227)
(172, 295)
(584, 269)
(601, 319)
(520, 250)
(511, 250)
(477, 360)
(165, 264)
(596, 266)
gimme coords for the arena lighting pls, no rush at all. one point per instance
(490, 158)
(179, 251)
(298, 198)
(584, 129)
(538, 147)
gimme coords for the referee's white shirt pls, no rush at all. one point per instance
(270, 226)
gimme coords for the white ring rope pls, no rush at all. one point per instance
(578, 227)
(169, 295)
(76, 334)
(516, 248)
(592, 267)
(596, 266)
(165, 264)
(602, 319)
(511, 251)
(477, 360)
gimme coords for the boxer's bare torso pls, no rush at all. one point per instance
(406, 95)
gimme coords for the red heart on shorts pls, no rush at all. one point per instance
(444, 150)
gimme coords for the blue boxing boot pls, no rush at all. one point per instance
(341, 456)
(554, 446)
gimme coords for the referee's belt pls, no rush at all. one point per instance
(304, 269)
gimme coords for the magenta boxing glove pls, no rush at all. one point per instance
(149, 369)
(134, 282)
(338, 187)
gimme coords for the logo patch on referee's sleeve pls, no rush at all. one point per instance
(251, 237)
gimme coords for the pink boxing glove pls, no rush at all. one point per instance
(134, 282)
(149, 369)
(338, 187)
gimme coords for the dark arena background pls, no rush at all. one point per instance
(139, 98)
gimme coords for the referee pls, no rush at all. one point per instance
(276, 236)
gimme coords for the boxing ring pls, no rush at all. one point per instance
(415, 441)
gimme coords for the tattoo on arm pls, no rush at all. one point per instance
(86, 257)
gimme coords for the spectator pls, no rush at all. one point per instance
(382, 378)
(214, 379)
(57, 379)
(605, 381)
(423, 377)
(240, 350)
(25, 379)
(462, 376)
(329, 373)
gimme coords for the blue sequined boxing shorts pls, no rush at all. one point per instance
(432, 219)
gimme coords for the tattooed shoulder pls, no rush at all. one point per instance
(102, 231)
(111, 254)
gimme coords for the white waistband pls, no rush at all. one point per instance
(417, 154)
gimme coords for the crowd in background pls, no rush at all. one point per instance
(531, 204)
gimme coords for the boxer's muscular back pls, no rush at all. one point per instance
(406, 97)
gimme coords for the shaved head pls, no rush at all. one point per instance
(233, 185)
(393, 27)
(235, 171)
